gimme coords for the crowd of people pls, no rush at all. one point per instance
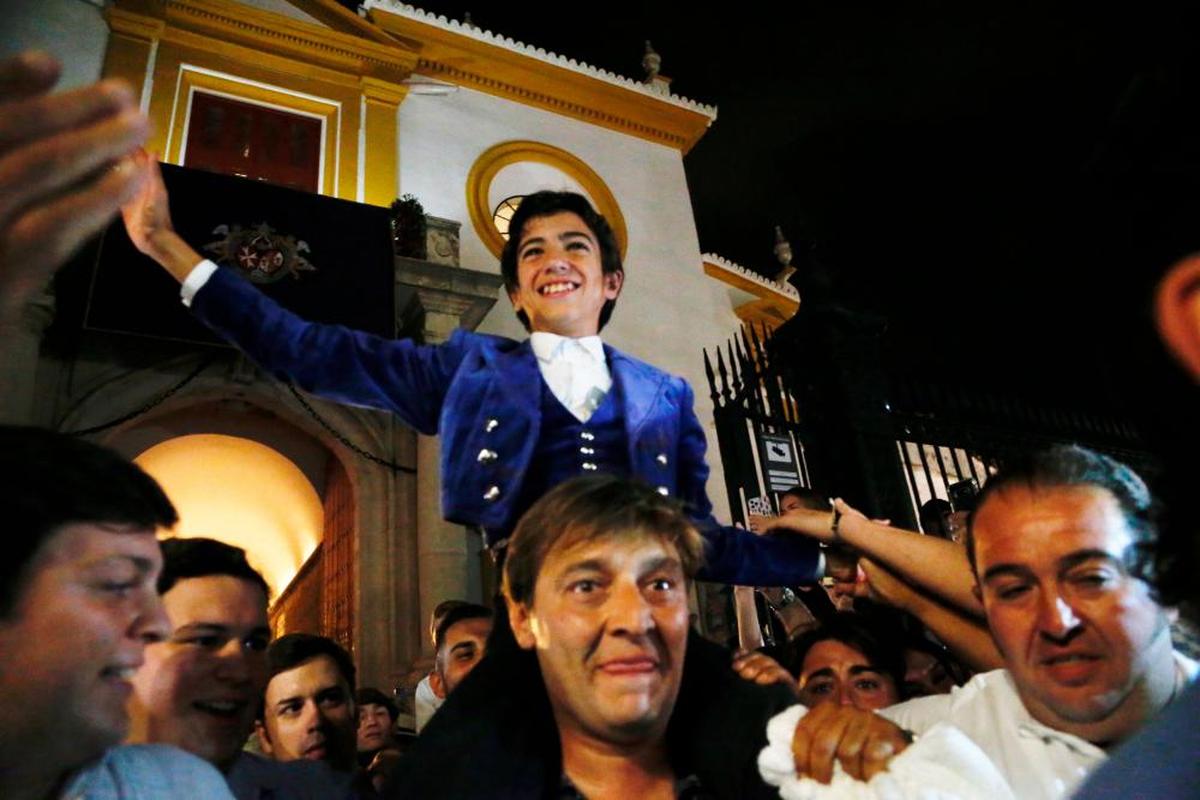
(1019, 648)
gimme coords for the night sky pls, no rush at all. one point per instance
(1001, 184)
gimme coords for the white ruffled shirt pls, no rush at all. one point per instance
(574, 369)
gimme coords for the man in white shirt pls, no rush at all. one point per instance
(1056, 544)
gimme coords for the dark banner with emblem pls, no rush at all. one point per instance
(328, 260)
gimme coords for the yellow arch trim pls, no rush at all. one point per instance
(494, 159)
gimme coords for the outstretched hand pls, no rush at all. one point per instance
(147, 218)
(147, 214)
(65, 169)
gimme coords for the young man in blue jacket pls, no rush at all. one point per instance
(516, 418)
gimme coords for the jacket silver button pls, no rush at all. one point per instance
(587, 436)
(486, 456)
(492, 494)
(661, 458)
(589, 466)
(491, 425)
(664, 491)
(587, 451)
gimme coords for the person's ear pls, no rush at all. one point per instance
(437, 684)
(264, 738)
(520, 618)
(613, 281)
(1177, 313)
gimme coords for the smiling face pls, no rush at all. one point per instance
(561, 286)
(1087, 647)
(200, 689)
(834, 672)
(75, 637)
(609, 621)
(310, 713)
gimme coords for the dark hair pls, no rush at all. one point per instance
(456, 615)
(881, 650)
(369, 695)
(1071, 465)
(809, 498)
(593, 507)
(48, 480)
(933, 517)
(293, 649)
(544, 204)
(439, 611)
(199, 557)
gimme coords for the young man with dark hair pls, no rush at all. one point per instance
(850, 662)
(516, 418)
(78, 605)
(609, 695)
(200, 689)
(308, 708)
(460, 642)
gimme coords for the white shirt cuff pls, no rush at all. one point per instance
(195, 280)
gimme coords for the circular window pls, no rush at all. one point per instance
(504, 213)
(487, 221)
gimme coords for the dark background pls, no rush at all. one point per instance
(1001, 182)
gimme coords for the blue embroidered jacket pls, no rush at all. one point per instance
(482, 394)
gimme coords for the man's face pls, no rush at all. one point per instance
(76, 635)
(374, 727)
(925, 675)
(561, 286)
(609, 621)
(834, 672)
(310, 714)
(1082, 639)
(200, 689)
(464, 646)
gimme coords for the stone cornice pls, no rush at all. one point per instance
(467, 56)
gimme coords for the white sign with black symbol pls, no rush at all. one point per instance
(779, 462)
(760, 506)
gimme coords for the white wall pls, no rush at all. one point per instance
(72, 30)
(668, 310)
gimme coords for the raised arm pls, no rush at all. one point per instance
(934, 564)
(966, 636)
(329, 360)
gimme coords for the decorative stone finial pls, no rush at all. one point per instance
(783, 252)
(466, 21)
(651, 62)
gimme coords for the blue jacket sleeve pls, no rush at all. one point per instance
(340, 364)
(733, 555)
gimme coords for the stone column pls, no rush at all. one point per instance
(20, 343)
(434, 300)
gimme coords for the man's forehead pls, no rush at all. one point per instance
(216, 599)
(620, 549)
(470, 628)
(93, 541)
(306, 678)
(1048, 524)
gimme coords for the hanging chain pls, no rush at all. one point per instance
(392, 465)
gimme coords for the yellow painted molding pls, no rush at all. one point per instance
(771, 306)
(498, 71)
(133, 25)
(264, 33)
(340, 18)
(191, 80)
(494, 159)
